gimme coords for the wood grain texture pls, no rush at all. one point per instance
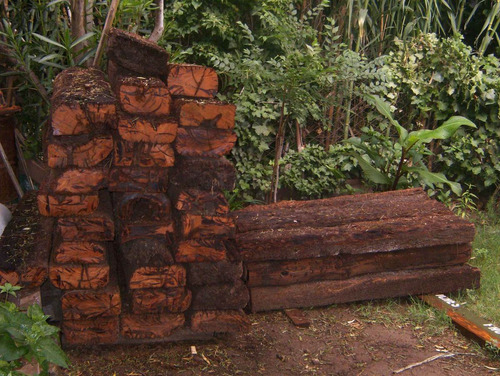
(201, 250)
(59, 205)
(134, 231)
(141, 154)
(208, 114)
(220, 297)
(78, 180)
(369, 287)
(83, 252)
(150, 325)
(194, 226)
(192, 80)
(95, 331)
(139, 207)
(88, 152)
(79, 276)
(144, 96)
(137, 179)
(230, 321)
(214, 273)
(204, 142)
(195, 201)
(173, 300)
(206, 174)
(152, 130)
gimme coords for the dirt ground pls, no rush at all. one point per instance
(373, 339)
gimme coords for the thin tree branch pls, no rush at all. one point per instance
(159, 26)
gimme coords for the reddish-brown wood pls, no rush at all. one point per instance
(78, 180)
(58, 205)
(230, 321)
(372, 286)
(224, 296)
(298, 318)
(136, 54)
(83, 252)
(79, 276)
(133, 231)
(150, 325)
(136, 179)
(204, 142)
(139, 207)
(144, 96)
(200, 202)
(201, 250)
(153, 277)
(192, 80)
(142, 154)
(209, 174)
(174, 300)
(194, 226)
(9, 276)
(343, 266)
(82, 102)
(98, 226)
(210, 114)
(98, 330)
(212, 273)
(156, 130)
(87, 153)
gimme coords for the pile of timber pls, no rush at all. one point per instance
(350, 248)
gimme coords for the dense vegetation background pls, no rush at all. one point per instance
(323, 88)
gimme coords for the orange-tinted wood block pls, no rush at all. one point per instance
(141, 154)
(157, 131)
(209, 114)
(144, 96)
(192, 80)
(204, 142)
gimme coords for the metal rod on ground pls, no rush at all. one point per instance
(11, 172)
(104, 36)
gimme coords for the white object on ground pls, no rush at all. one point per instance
(5, 217)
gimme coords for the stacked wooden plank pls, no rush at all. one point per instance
(349, 248)
(78, 147)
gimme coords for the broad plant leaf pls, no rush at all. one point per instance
(52, 352)
(50, 41)
(384, 108)
(371, 172)
(9, 351)
(443, 132)
(431, 178)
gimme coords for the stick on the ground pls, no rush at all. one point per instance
(104, 36)
(428, 360)
(11, 172)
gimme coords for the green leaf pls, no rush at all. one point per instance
(431, 178)
(8, 349)
(52, 352)
(443, 132)
(82, 39)
(371, 172)
(384, 108)
(50, 41)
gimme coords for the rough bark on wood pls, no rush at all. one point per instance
(78, 180)
(201, 250)
(98, 226)
(209, 114)
(134, 231)
(192, 80)
(213, 273)
(204, 142)
(148, 58)
(144, 96)
(136, 179)
(59, 205)
(223, 296)
(139, 207)
(173, 300)
(152, 130)
(82, 103)
(80, 252)
(150, 325)
(344, 266)
(200, 202)
(212, 174)
(141, 154)
(116, 72)
(87, 153)
(373, 286)
(354, 238)
(194, 226)
(230, 321)
(98, 330)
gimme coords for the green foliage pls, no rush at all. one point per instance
(26, 336)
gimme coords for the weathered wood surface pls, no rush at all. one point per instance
(204, 142)
(141, 154)
(136, 179)
(82, 102)
(98, 330)
(220, 297)
(134, 231)
(194, 226)
(79, 276)
(192, 80)
(25, 245)
(368, 287)
(84, 152)
(205, 174)
(209, 114)
(161, 130)
(80, 252)
(137, 54)
(344, 266)
(230, 321)
(150, 325)
(78, 180)
(136, 207)
(213, 273)
(89, 304)
(195, 201)
(173, 300)
(201, 250)
(98, 226)
(144, 96)
(354, 238)
(61, 205)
